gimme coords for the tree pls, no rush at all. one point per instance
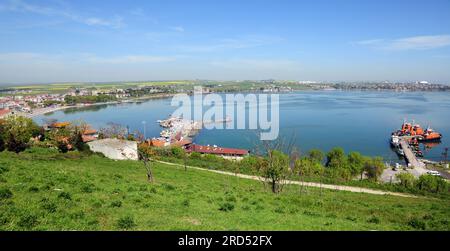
(18, 131)
(374, 168)
(430, 183)
(336, 158)
(274, 168)
(113, 131)
(406, 179)
(356, 163)
(316, 155)
(145, 157)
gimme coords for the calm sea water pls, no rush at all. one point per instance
(354, 120)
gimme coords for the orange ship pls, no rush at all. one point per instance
(430, 134)
(411, 129)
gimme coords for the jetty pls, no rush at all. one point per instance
(419, 167)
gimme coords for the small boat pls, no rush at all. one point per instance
(395, 141)
(430, 135)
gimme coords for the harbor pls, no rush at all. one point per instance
(406, 143)
(178, 131)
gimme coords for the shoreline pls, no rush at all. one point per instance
(43, 111)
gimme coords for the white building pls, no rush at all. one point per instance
(115, 148)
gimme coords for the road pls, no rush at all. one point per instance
(295, 182)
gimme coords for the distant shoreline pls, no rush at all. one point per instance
(43, 111)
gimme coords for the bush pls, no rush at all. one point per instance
(196, 155)
(177, 152)
(88, 188)
(374, 220)
(48, 205)
(117, 203)
(227, 206)
(17, 132)
(417, 224)
(430, 183)
(65, 195)
(126, 222)
(336, 158)
(5, 193)
(406, 180)
(27, 221)
(33, 189)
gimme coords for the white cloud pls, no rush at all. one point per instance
(408, 43)
(24, 58)
(130, 59)
(177, 28)
(22, 6)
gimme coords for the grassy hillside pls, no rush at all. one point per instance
(44, 190)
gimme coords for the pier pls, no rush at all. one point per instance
(411, 158)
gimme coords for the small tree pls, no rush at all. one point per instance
(406, 179)
(144, 156)
(316, 155)
(374, 168)
(430, 183)
(275, 169)
(355, 163)
(18, 131)
(336, 158)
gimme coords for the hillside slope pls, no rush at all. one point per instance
(45, 190)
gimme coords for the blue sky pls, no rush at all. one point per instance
(91, 41)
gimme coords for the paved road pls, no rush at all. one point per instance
(309, 184)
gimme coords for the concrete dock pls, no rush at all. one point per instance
(419, 167)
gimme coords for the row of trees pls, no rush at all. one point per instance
(275, 166)
(89, 99)
(425, 183)
(17, 133)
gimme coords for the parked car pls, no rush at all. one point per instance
(434, 173)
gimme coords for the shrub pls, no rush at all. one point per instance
(186, 203)
(177, 152)
(33, 189)
(116, 203)
(126, 222)
(65, 195)
(27, 221)
(17, 132)
(430, 183)
(336, 158)
(87, 188)
(374, 220)
(406, 180)
(196, 155)
(417, 223)
(5, 193)
(227, 206)
(48, 205)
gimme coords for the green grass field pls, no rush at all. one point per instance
(45, 190)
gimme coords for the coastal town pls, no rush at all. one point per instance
(30, 102)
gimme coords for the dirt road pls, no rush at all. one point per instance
(294, 182)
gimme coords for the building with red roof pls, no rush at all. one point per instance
(4, 112)
(216, 150)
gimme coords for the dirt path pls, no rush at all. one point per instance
(309, 184)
